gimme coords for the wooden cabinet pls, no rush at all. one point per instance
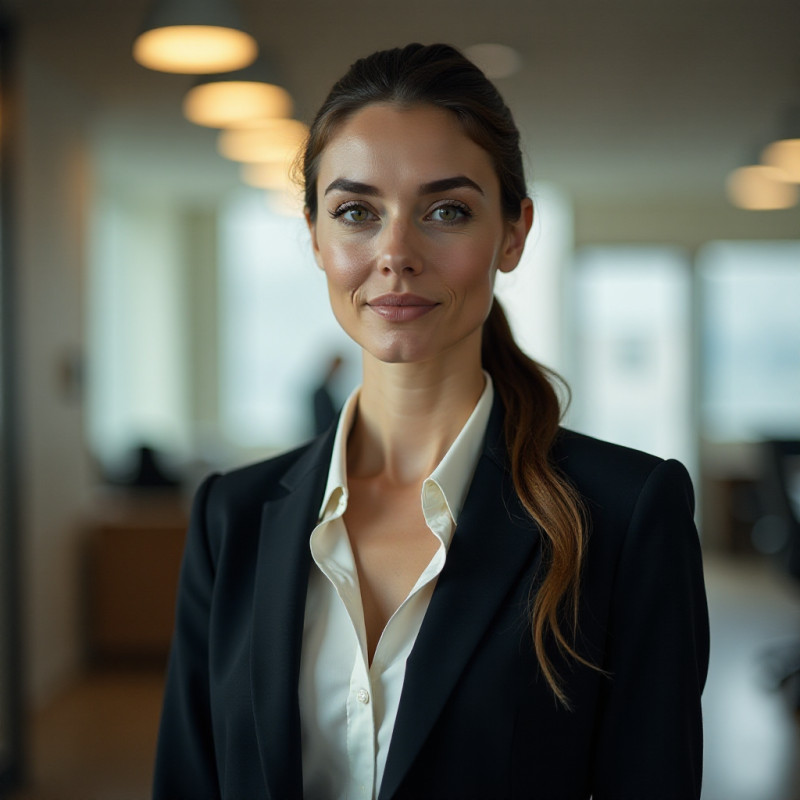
(134, 549)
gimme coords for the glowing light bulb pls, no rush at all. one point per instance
(785, 156)
(194, 49)
(760, 188)
(221, 104)
(269, 140)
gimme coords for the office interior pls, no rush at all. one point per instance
(163, 317)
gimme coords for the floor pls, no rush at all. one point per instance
(96, 742)
(752, 733)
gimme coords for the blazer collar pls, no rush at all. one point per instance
(495, 541)
(278, 611)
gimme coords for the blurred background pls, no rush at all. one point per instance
(162, 316)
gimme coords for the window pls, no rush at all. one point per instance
(278, 333)
(750, 339)
(632, 348)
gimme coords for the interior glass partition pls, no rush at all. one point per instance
(10, 675)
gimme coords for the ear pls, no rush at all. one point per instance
(312, 231)
(516, 234)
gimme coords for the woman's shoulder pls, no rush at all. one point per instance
(271, 477)
(575, 450)
(612, 474)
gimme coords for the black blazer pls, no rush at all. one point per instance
(476, 719)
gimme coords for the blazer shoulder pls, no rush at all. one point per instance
(573, 449)
(604, 472)
(253, 484)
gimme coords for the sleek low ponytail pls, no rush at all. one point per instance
(532, 417)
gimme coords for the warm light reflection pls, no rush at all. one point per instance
(195, 49)
(221, 104)
(785, 156)
(271, 140)
(760, 188)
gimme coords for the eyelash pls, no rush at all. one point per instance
(463, 209)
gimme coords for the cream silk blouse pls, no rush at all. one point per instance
(347, 706)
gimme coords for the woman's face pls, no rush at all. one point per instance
(410, 233)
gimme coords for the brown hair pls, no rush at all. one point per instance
(441, 76)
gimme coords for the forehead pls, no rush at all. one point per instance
(399, 142)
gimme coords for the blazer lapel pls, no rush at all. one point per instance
(494, 542)
(278, 612)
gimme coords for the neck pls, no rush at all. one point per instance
(408, 416)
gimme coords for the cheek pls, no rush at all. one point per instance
(474, 268)
(344, 266)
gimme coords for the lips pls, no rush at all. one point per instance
(401, 307)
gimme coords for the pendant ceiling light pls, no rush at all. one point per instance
(784, 155)
(760, 188)
(235, 98)
(272, 175)
(495, 60)
(194, 37)
(271, 140)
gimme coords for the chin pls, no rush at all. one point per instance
(392, 347)
(393, 356)
(415, 348)
(398, 352)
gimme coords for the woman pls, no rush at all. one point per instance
(447, 595)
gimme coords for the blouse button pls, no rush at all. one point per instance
(362, 696)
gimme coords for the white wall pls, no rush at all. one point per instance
(688, 222)
(53, 183)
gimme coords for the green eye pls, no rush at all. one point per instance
(352, 213)
(450, 213)
(356, 214)
(447, 213)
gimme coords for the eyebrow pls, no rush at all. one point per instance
(445, 184)
(356, 187)
(442, 185)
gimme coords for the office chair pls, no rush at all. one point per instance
(780, 491)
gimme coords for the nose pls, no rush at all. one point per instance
(399, 252)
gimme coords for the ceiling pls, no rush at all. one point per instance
(642, 99)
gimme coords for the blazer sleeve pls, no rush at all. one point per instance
(185, 762)
(650, 729)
